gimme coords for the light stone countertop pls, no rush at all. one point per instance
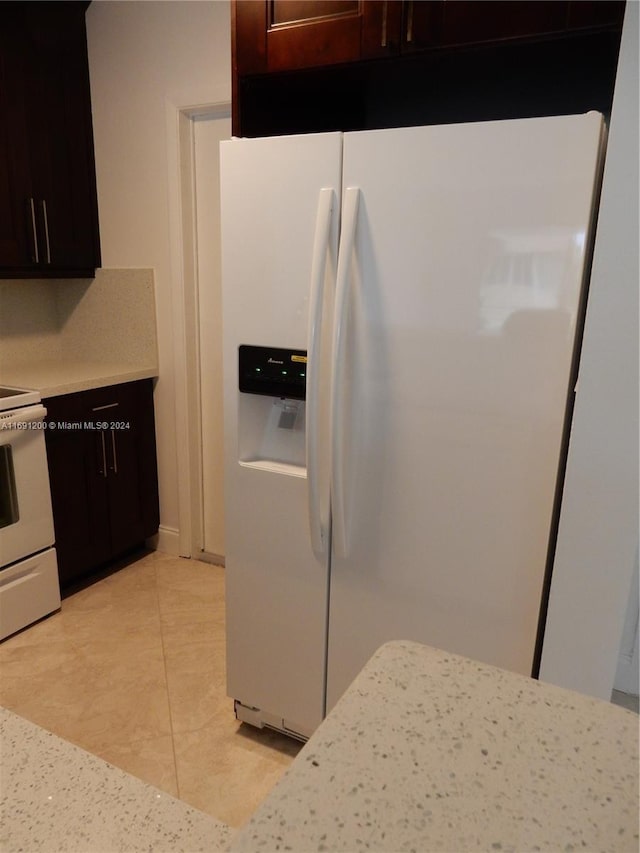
(429, 751)
(57, 798)
(426, 751)
(52, 378)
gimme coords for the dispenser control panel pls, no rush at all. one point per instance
(272, 371)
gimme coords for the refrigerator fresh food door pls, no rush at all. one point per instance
(280, 219)
(458, 333)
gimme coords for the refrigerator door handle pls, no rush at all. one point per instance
(345, 252)
(318, 267)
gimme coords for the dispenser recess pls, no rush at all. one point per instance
(271, 409)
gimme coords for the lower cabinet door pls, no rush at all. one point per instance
(121, 431)
(102, 467)
(78, 490)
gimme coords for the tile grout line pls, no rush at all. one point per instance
(166, 681)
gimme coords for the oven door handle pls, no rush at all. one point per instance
(28, 415)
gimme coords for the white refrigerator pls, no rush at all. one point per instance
(421, 288)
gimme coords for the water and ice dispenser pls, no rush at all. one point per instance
(271, 415)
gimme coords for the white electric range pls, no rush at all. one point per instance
(29, 585)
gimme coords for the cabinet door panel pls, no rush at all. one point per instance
(48, 202)
(321, 42)
(249, 37)
(122, 436)
(16, 234)
(147, 457)
(466, 21)
(587, 13)
(103, 474)
(78, 490)
(381, 28)
(421, 25)
(61, 138)
(277, 36)
(306, 11)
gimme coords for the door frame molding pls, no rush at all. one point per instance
(184, 290)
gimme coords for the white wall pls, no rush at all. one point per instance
(146, 58)
(598, 533)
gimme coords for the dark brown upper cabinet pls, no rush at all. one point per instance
(285, 35)
(468, 22)
(282, 35)
(48, 202)
(302, 67)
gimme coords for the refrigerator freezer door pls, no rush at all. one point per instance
(465, 291)
(274, 195)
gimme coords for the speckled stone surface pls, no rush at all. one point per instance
(429, 751)
(61, 335)
(57, 798)
(65, 377)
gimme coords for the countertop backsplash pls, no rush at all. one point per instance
(28, 322)
(57, 334)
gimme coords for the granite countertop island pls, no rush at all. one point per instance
(428, 751)
(57, 798)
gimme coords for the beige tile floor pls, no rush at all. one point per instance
(132, 669)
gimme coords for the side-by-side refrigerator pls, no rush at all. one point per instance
(401, 311)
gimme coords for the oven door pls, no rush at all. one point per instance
(26, 520)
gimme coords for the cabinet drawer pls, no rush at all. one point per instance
(28, 591)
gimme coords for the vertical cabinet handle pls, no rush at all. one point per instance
(409, 34)
(31, 212)
(383, 32)
(103, 470)
(114, 455)
(45, 220)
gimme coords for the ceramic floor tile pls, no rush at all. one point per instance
(26, 667)
(133, 670)
(54, 701)
(83, 708)
(196, 680)
(128, 714)
(151, 760)
(226, 771)
(194, 593)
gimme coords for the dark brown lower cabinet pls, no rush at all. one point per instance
(101, 451)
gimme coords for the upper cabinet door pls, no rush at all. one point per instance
(49, 213)
(17, 225)
(282, 35)
(466, 21)
(61, 138)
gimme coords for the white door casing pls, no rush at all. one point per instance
(626, 679)
(209, 131)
